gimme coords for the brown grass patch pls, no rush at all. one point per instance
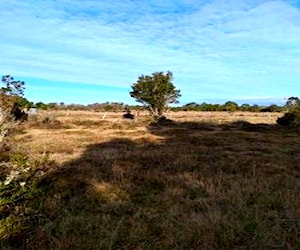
(198, 184)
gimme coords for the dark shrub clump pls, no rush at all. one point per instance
(290, 119)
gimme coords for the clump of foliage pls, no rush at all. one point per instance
(292, 117)
(10, 96)
(230, 106)
(128, 114)
(163, 121)
(155, 92)
(11, 99)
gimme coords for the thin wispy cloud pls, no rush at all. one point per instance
(216, 49)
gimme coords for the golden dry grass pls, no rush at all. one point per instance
(205, 181)
(77, 129)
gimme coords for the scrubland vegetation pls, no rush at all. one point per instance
(91, 179)
(201, 180)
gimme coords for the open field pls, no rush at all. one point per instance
(207, 180)
(76, 129)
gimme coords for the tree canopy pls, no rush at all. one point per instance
(12, 87)
(155, 91)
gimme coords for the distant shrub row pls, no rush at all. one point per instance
(117, 107)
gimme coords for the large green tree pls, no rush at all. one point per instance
(155, 91)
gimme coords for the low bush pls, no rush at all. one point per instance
(290, 119)
(162, 121)
(21, 194)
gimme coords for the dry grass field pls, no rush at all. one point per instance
(69, 132)
(206, 180)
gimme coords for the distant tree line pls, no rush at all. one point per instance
(229, 106)
(98, 107)
(119, 106)
(155, 92)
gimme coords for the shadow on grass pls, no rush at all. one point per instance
(198, 186)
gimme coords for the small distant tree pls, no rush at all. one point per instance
(155, 91)
(254, 108)
(192, 106)
(245, 107)
(230, 106)
(41, 105)
(53, 105)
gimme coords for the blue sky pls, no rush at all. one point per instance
(76, 51)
